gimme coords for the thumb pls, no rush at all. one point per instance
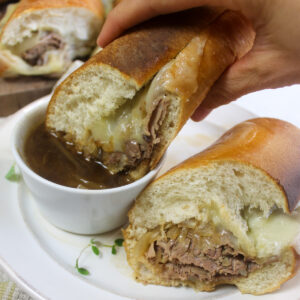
(257, 70)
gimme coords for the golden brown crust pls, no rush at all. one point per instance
(26, 6)
(269, 144)
(229, 37)
(94, 6)
(143, 51)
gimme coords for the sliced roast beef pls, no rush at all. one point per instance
(134, 152)
(185, 259)
(156, 119)
(35, 55)
(184, 272)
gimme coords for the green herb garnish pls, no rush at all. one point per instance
(113, 250)
(119, 242)
(94, 245)
(96, 250)
(12, 175)
(83, 271)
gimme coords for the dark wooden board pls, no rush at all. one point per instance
(18, 92)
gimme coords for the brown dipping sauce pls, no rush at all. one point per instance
(57, 161)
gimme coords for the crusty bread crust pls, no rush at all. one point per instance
(26, 6)
(229, 38)
(144, 50)
(269, 144)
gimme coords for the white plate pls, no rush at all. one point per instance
(41, 258)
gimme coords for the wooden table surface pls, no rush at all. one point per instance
(18, 92)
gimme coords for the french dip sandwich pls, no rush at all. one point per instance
(128, 102)
(41, 37)
(225, 216)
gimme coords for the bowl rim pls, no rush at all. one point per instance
(24, 116)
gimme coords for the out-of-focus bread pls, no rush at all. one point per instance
(76, 22)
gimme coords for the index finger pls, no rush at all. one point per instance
(131, 12)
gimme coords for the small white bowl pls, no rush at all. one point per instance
(74, 210)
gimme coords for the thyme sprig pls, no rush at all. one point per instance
(95, 247)
(12, 175)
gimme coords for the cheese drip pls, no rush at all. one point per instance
(273, 234)
(131, 121)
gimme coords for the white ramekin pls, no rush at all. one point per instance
(75, 210)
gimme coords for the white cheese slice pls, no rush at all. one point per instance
(273, 234)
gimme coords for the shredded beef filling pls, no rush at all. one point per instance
(199, 259)
(35, 56)
(135, 152)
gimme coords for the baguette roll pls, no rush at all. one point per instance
(225, 216)
(128, 102)
(40, 37)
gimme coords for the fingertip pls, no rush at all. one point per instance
(123, 16)
(102, 39)
(112, 27)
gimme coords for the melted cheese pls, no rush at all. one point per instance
(56, 63)
(23, 32)
(273, 234)
(262, 236)
(129, 122)
(28, 43)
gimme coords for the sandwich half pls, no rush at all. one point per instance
(225, 216)
(128, 102)
(41, 37)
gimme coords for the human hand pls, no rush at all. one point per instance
(274, 60)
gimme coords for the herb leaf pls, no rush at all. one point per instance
(95, 250)
(94, 244)
(12, 175)
(119, 242)
(83, 271)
